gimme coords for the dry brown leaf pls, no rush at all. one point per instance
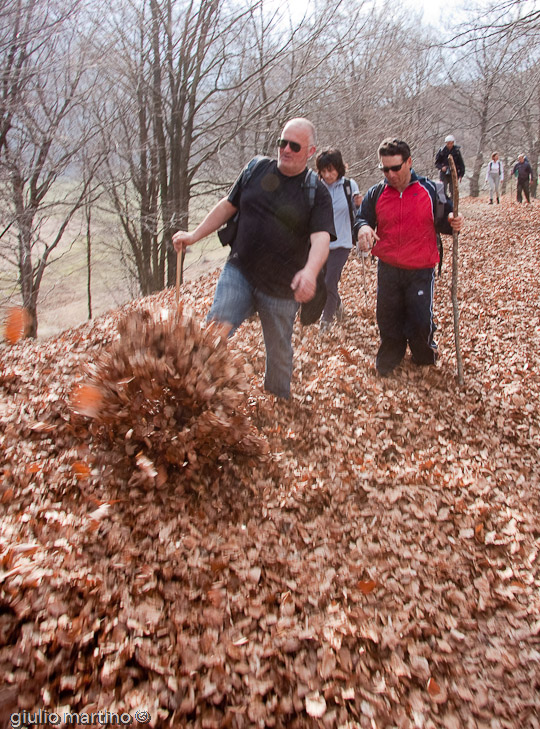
(81, 470)
(315, 705)
(87, 400)
(17, 324)
(367, 586)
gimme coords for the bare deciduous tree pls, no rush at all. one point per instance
(495, 81)
(44, 134)
(193, 78)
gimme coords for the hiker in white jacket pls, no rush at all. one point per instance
(494, 176)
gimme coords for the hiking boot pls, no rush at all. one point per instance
(324, 326)
(498, 201)
(491, 202)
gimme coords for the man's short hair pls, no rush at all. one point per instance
(389, 147)
(331, 158)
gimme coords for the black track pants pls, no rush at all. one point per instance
(405, 315)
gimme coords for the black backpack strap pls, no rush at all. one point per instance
(441, 252)
(440, 200)
(227, 233)
(311, 311)
(310, 184)
(347, 187)
(249, 169)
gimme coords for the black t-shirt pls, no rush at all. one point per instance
(274, 226)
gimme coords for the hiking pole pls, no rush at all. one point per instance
(455, 237)
(179, 272)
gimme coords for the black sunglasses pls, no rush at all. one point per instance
(282, 143)
(393, 168)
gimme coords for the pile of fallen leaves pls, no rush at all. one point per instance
(168, 392)
(379, 569)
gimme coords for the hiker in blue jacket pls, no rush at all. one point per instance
(344, 192)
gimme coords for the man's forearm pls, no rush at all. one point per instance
(320, 247)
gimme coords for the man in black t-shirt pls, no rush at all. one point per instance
(280, 246)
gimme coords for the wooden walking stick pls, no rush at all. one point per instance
(360, 255)
(455, 237)
(364, 277)
(179, 272)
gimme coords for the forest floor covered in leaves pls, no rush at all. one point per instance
(377, 566)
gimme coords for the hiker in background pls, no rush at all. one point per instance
(523, 171)
(280, 245)
(344, 192)
(442, 164)
(398, 221)
(494, 176)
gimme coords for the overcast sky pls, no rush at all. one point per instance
(432, 9)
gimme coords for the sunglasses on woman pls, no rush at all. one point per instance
(282, 143)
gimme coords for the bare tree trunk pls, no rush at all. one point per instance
(482, 141)
(43, 138)
(88, 211)
(26, 273)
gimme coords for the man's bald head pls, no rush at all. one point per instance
(301, 132)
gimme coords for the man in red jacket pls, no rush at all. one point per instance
(398, 221)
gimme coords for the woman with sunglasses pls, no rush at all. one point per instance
(345, 199)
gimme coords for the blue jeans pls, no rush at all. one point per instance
(235, 300)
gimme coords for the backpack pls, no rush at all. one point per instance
(227, 233)
(352, 212)
(440, 200)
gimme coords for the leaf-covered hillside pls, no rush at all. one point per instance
(372, 561)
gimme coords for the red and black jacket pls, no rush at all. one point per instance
(407, 223)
